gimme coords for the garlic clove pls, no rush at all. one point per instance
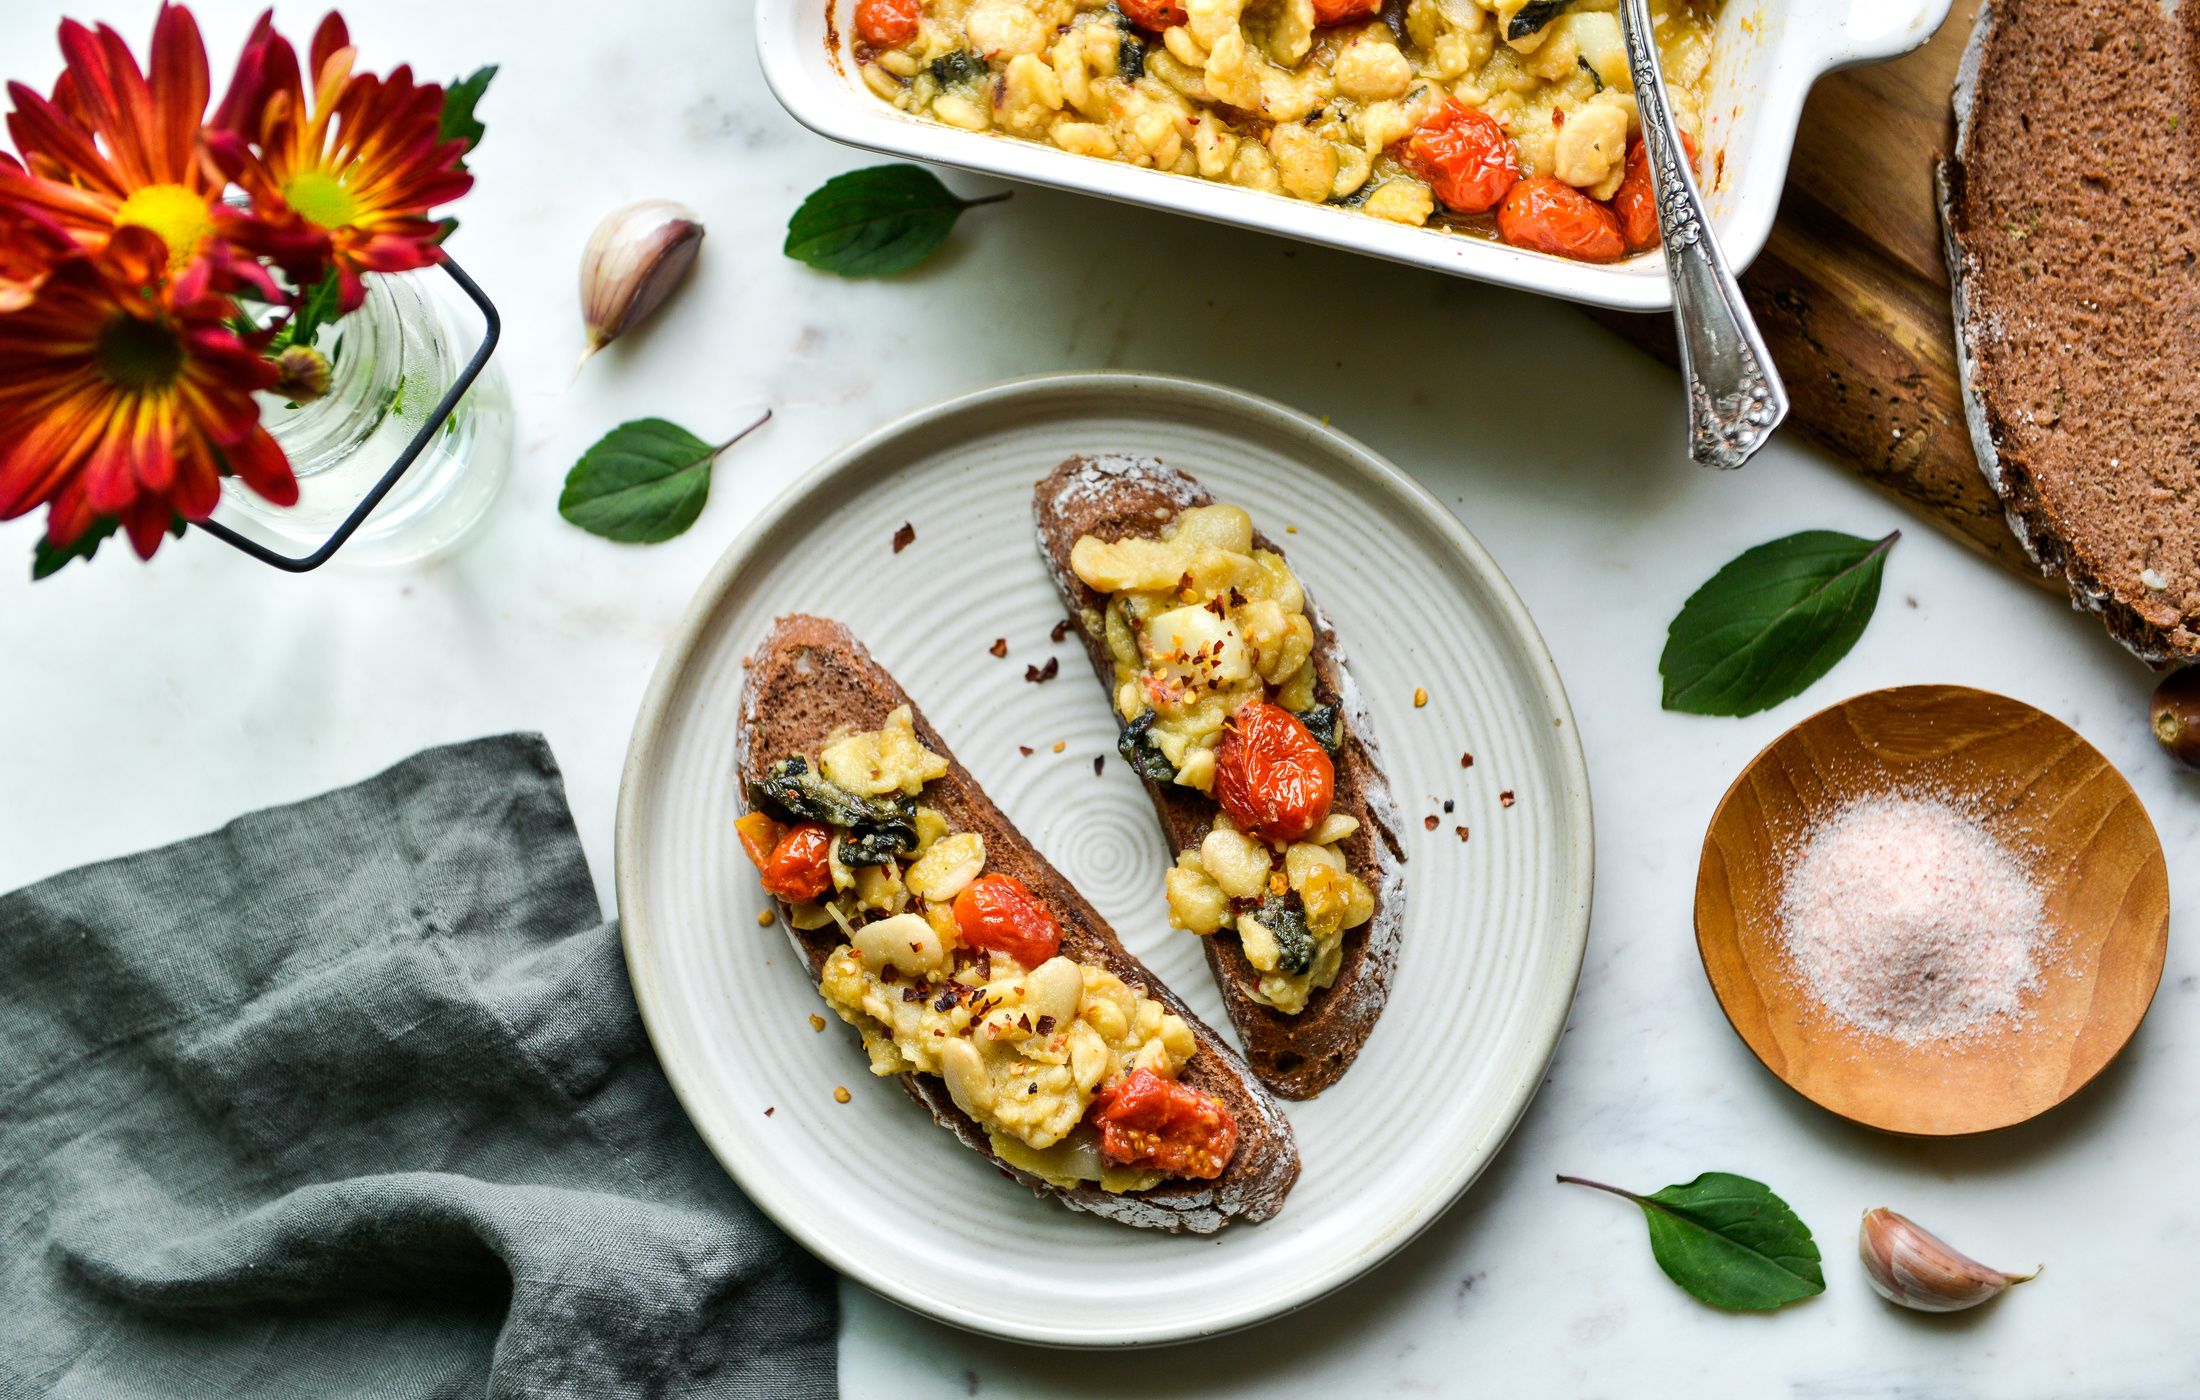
(634, 259)
(1913, 1267)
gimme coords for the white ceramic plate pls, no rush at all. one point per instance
(1495, 925)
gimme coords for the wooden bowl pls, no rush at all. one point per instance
(2041, 788)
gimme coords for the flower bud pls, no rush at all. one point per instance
(1915, 1268)
(301, 374)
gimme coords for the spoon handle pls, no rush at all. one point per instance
(1735, 398)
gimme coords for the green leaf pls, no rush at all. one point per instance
(643, 482)
(46, 561)
(1771, 622)
(459, 100)
(316, 308)
(875, 222)
(1729, 1241)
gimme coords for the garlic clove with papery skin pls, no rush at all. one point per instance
(634, 259)
(1909, 1265)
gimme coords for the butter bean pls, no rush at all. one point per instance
(905, 940)
(1055, 988)
(968, 1084)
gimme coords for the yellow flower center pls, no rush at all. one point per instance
(320, 199)
(138, 355)
(179, 216)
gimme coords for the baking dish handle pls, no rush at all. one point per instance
(1881, 29)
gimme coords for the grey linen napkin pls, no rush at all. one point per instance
(350, 1098)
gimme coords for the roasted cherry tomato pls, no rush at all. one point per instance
(1157, 1124)
(1155, 15)
(1271, 776)
(1465, 156)
(1339, 11)
(996, 912)
(1552, 216)
(1636, 199)
(759, 833)
(800, 869)
(887, 24)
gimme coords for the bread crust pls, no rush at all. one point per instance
(2011, 449)
(809, 676)
(1297, 1056)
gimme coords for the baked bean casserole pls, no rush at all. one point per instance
(1512, 119)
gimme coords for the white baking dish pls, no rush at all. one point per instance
(1766, 57)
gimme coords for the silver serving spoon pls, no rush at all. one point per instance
(1735, 398)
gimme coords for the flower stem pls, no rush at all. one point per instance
(988, 199)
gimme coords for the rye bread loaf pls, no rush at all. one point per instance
(2071, 212)
(809, 677)
(1298, 1056)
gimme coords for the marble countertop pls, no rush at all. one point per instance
(144, 704)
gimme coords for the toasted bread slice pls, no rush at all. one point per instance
(1296, 1055)
(2070, 210)
(810, 677)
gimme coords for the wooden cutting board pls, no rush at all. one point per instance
(1852, 294)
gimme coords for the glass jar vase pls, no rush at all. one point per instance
(391, 362)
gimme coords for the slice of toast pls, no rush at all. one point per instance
(809, 677)
(1297, 1056)
(2070, 212)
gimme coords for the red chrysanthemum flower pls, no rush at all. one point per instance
(125, 395)
(115, 148)
(345, 178)
(30, 244)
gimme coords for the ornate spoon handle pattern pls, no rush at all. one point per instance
(1735, 398)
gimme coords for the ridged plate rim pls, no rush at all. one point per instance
(1157, 397)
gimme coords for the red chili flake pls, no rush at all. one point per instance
(1024, 749)
(1429, 822)
(1034, 1087)
(999, 647)
(1039, 675)
(889, 974)
(912, 994)
(1466, 760)
(904, 537)
(1046, 1025)
(1558, 116)
(1099, 764)
(946, 1001)
(1462, 832)
(1061, 630)
(1505, 798)
(770, 1111)
(1447, 806)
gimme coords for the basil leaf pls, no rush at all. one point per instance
(875, 222)
(458, 122)
(1729, 1241)
(643, 482)
(1771, 622)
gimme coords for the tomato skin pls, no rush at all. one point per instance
(1552, 216)
(1636, 199)
(759, 833)
(1341, 11)
(799, 869)
(1157, 1124)
(1272, 776)
(1464, 155)
(997, 913)
(887, 24)
(1153, 15)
